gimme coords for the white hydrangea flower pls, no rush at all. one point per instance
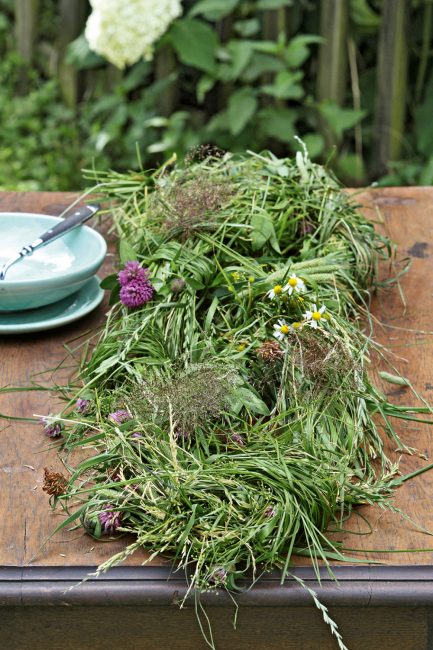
(124, 31)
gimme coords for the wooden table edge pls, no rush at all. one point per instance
(354, 586)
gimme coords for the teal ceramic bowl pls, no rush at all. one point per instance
(52, 272)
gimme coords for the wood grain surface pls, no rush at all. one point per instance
(406, 328)
(266, 628)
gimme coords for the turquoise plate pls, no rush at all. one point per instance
(56, 314)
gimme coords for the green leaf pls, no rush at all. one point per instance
(394, 379)
(285, 86)
(107, 364)
(363, 16)
(195, 43)
(110, 282)
(261, 64)
(278, 123)
(251, 401)
(340, 119)
(273, 4)
(242, 106)
(240, 55)
(214, 9)
(315, 144)
(81, 56)
(204, 84)
(219, 122)
(194, 284)
(247, 28)
(351, 168)
(263, 230)
(297, 50)
(126, 252)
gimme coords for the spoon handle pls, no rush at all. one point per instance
(67, 224)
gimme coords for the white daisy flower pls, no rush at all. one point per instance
(281, 329)
(295, 284)
(276, 291)
(314, 316)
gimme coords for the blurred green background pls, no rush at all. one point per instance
(352, 78)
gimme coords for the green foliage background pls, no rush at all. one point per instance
(240, 75)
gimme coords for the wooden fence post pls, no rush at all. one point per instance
(26, 12)
(332, 69)
(331, 78)
(72, 19)
(391, 97)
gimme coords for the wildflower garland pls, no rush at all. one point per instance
(227, 397)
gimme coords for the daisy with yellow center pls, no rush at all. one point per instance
(296, 326)
(294, 284)
(281, 329)
(276, 291)
(314, 316)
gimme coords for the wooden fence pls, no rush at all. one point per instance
(336, 62)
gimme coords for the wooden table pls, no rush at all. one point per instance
(375, 606)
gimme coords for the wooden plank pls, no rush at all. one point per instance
(141, 628)
(27, 520)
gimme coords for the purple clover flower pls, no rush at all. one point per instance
(136, 293)
(82, 405)
(119, 416)
(132, 272)
(237, 439)
(110, 519)
(219, 576)
(136, 434)
(52, 429)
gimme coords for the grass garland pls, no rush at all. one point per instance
(232, 416)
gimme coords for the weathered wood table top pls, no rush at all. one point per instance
(406, 328)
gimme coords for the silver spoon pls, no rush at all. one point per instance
(61, 228)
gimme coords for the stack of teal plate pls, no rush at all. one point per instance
(55, 285)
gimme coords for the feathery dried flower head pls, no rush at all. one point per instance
(52, 428)
(136, 293)
(204, 152)
(119, 416)
(132, 271)
(110, 519)
(55, 483)
(192, 204)
(270, 351)
(190, 398)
